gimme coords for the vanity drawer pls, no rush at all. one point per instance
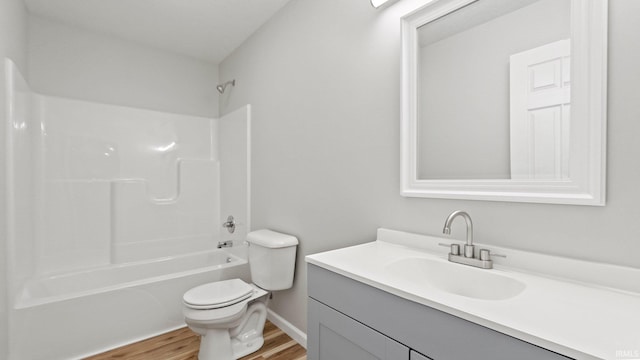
(436, 334)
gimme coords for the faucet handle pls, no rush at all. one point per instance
(230, 224)
(454, 248)
(485, 254)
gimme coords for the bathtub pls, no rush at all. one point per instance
(73, 315)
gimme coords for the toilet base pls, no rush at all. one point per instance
(215, 344)
(234, 343)
(247, 337)
(243, 349)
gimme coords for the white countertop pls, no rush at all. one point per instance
(579, 309)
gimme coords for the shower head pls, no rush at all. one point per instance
(222, 87)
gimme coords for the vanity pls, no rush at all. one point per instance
(498, 103)
(400, 298)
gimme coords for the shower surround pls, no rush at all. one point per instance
(114, 212)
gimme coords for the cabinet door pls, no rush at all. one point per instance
(335, 336)
(418, 356)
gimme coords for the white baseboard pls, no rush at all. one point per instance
(296, 334)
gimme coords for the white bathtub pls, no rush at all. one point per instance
(72, 315)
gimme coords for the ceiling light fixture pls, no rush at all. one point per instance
(377, 3)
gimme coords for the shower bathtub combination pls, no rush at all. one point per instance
(113, 213)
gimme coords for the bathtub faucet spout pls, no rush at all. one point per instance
(225, 244)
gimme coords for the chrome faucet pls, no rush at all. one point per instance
(468, 248)
(468, 258)
(230, 224)
(225, 244)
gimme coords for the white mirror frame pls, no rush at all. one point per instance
(588, 103)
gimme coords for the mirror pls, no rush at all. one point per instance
(505, 100)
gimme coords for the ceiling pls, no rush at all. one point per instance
(205, 29)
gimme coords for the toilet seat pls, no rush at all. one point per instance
(217, 294)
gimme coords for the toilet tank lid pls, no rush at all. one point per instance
(271, 239)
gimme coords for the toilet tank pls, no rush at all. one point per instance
(272, 259)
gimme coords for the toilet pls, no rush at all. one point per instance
(230, 315)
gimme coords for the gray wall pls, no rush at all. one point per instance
(323, 77)
(71, 62)
(13, 40)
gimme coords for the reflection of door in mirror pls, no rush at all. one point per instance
(540, 112)
(463, 109)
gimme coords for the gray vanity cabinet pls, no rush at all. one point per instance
(349, 320)
(342, 338)
(416, 356)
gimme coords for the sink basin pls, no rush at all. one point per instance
(456, 278)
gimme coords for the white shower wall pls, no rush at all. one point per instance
(94, 184)
(13, 44)
(21, 163)
(123, 184)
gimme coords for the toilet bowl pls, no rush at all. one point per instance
(230, 315)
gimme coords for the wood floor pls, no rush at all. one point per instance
(183, 344)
